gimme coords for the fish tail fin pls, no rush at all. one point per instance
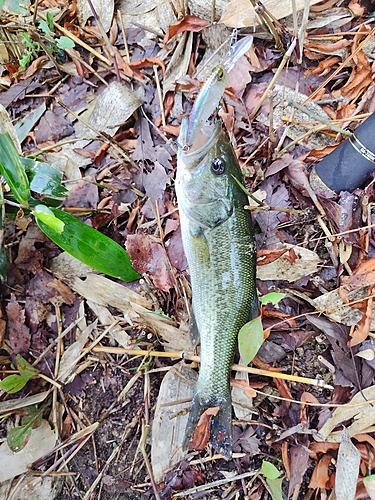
(220, 425)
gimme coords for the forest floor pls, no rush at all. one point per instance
(103, 102)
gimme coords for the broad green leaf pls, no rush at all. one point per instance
(13, 171)
(18, 437)
(250, 339)
(269, 470)
(26, 370)
(12, 384)
(273, 298)
(91, 247)
(65, 43)
(44, 178)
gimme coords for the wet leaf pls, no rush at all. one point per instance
(13, 171)
(90, 247)
(24, 125)
(44, 178)
(250, 339)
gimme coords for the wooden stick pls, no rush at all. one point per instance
(239, 368)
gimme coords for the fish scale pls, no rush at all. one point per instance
(218, 240)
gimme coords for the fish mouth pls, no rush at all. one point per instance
(205, 139)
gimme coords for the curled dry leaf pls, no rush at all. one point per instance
(188, 23)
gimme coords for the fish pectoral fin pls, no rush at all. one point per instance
(194, 334)
(254, 311)
(220, 424)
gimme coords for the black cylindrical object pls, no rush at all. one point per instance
(350, 164)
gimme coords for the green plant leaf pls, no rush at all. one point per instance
(64, 43)
(250, 339)
(26, 370)
(44, 215)
(273, 298)
(269, 470)
(275, 487)
(90, 247)
(13, 383)
(13, 171)
(49, 19)
(18, 437)
(45, 28)
(23, 62)
(44, 178)
(26, 39)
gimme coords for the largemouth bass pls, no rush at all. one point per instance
(219, 243)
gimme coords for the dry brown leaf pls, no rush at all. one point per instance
(148, 256)
(356, 8)
(245, 386)
(321, 477)
(19, 333)
(240, 13)
(265, 256)
(41, 441)
(324, 66)
(359, 409)
(202, 431)
(188, 23)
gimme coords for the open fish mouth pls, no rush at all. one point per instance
(206, 136)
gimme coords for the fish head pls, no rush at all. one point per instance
(206, 171)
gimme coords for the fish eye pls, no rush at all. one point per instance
(220, 74)
(218, 166)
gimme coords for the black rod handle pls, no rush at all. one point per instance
(350, 164)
